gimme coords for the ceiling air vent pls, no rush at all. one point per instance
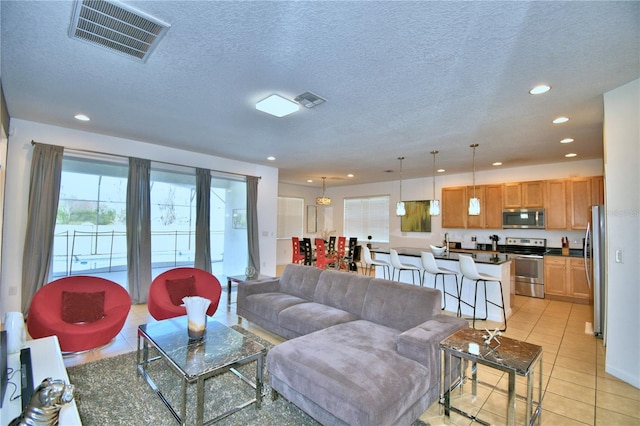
(117, 27)
(309, 100)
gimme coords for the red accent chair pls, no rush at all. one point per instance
(322, 258)
(159, 302)
(45, 313)
(297, 255)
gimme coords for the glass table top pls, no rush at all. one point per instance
(509, 353)
(220, 346)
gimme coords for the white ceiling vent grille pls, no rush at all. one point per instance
(117, 27)
(309, 100)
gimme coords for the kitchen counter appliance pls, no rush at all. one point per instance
(528, 263)
(523, 219)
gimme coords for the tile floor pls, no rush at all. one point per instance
(576, 389)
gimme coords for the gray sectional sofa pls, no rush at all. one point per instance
(362, 351)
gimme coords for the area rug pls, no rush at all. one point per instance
(110, 392)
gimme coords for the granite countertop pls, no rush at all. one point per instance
(551, 251)
(478, 257)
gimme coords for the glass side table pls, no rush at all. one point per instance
(221, 350)
(509, 355)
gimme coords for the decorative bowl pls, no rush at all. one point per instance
(437, 251)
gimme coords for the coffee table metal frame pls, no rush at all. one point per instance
(484, 358)
(180, 325)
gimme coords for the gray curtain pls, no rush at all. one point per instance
(252, 222)
(203, 207)
(44, 191)
(139, 229)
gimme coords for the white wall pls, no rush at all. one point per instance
(17, 190)
(421, 189)
(622, 191)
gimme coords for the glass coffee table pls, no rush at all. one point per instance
(509, 355)
(221, 350)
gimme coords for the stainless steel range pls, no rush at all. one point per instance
(528, 263)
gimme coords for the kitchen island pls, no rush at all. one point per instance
(497, 265)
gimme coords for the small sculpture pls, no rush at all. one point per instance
(44, 406)
(491, 335)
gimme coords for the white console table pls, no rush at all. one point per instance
(46, 361)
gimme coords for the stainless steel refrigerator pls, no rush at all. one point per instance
(596, 273)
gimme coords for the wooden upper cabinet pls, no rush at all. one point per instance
(580, 202)
(492, 207)
(533, 194)
(512, 195)
(524, 195)
(454, 210)
(556, 211)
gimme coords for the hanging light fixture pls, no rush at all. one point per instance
(474, 203)
(400, 210)
(434, 205)
(323, 201)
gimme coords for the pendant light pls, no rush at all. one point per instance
(400, 210)
(474, 203)
(323, 201)
(434, 205)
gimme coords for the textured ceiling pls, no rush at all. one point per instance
(400, 79)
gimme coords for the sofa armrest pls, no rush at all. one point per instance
(422, 343)
(248, 288)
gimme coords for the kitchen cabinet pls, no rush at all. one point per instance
(454, 211)
(597, 190)
(556, 209)
(524, 195)
(455, 207)
(565, 279)
(580, 202)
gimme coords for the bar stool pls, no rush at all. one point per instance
(399, 266)
(470, 272)
(370, 263)
(429, 265)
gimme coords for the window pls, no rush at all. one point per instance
(173, 216)
(367, 216)
(90, 233)
(290, 217)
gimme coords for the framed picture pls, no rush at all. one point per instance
(312, 219)
(417, 218)
(239, 219)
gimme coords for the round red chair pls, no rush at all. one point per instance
(46, 312)
(159, 301)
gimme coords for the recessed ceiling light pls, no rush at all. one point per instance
(571, 155)
(560, 120)
(277, 105)
(566, 140)
(271, 158)
(497, 163)
(350, 175)
(81, 117)
(309, 180)
(538, 90)
(441, 170)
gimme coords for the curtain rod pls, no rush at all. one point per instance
(155, 161)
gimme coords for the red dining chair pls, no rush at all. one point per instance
(322, 258)
(297, 255)
(341, 251)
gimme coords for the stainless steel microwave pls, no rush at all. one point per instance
(523, 219)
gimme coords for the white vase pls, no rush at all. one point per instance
(196, 316)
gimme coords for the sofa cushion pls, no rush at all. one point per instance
(269, 305)
(351, 370)
(400, 306)
(82, 307)
(299, 280)
(342, 290)
(305, 318)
